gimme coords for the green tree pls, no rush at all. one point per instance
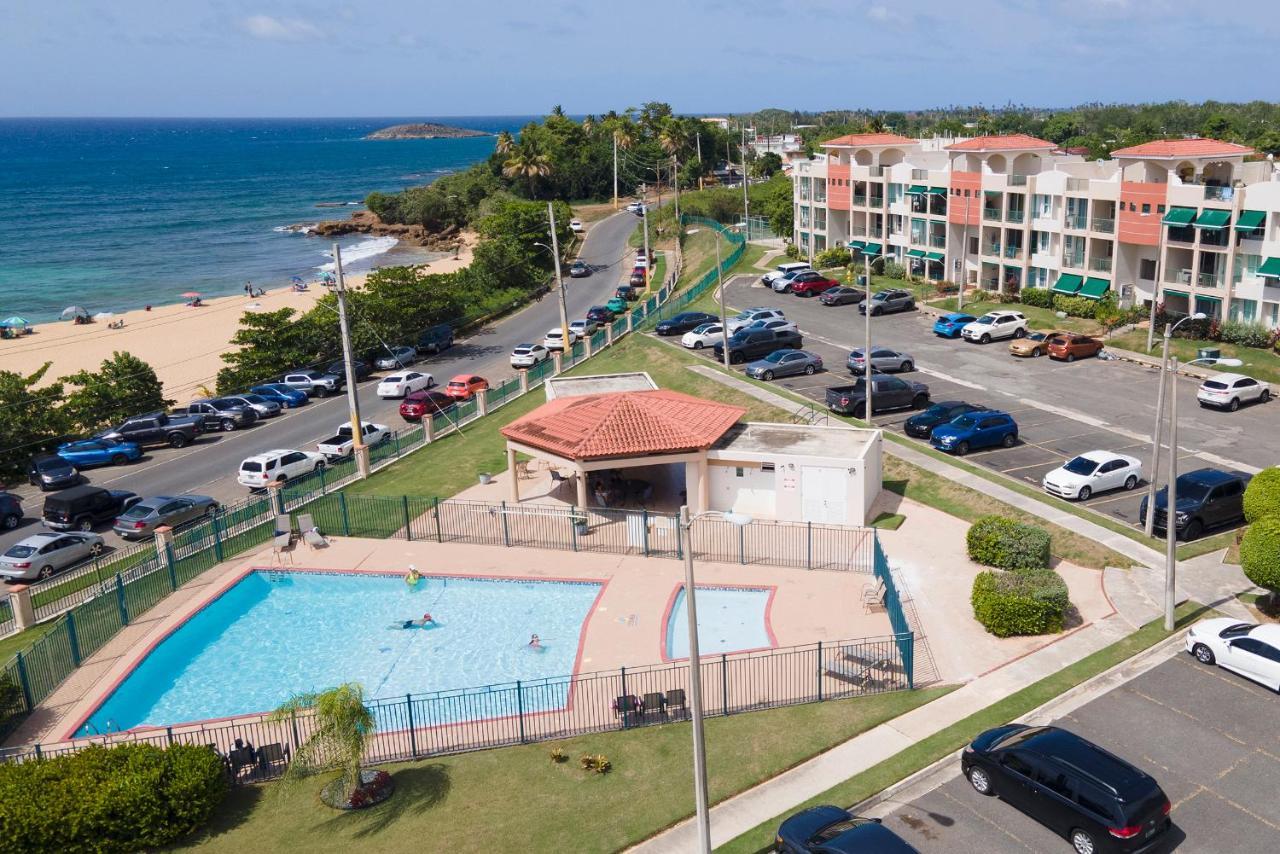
(528, 165)
(1216, 126)
(272, 342)
(341, 728)
(31, 418)
(506, 143)
(123, 386)
(1260, 555)
(766, 165)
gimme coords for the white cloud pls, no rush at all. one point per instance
(280, 29)
(878, 13)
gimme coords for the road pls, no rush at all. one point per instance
(209, 466)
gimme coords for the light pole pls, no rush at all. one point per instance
(695, 672)
(358, 448)
(1149, 524)
(564, 309)
(724, 323)
(868, 371)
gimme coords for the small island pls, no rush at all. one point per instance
(425, 130)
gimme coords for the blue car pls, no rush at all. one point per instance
(282, 394)
(975, 430)
(99, 452)
(831, 830)
(949, 325)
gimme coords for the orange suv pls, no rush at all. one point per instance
(465, 386)
(1070, 346)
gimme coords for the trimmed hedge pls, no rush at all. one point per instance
(129, 797)
(1262, 495)
(1260, 554)
(1006, 544)
(1038, 297)
(1026, 602)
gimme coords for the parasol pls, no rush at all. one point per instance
(191, 294)
(74, 311)
(14, 322)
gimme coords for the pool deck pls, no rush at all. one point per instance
(626, 628)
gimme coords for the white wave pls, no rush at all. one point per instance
(294, 229)
(361, 251)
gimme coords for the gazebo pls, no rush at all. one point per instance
(622, 430)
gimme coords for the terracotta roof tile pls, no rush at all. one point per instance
(1007, 142)
(1171, 148)
(855, 139)
(630, 423)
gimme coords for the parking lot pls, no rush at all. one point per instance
(1208, 736)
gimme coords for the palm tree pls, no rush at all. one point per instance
(557, 111)
(672, 137)
(342, 727)
(525, 162)
(625, 134)
(506, 142)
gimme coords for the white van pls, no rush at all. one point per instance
(782, 270)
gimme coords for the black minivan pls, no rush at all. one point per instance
(1093, 798)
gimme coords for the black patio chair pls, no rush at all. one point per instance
(241, 758)
(272, 757)
(653, 703)
(676, 701)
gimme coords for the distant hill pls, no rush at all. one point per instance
(426, 130)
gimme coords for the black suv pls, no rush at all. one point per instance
(886, 302)
(437, 339)
(1207, 498)
(746, 345)
(50, 471)
(10, 511)
(362, 369)
(221, 414)
(1093, 798)
(82, 507)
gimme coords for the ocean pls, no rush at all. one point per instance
(115, 214)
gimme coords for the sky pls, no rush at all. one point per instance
(250, 58)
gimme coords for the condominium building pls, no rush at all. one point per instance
(1188, 222)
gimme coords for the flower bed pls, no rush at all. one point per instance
(375, 787)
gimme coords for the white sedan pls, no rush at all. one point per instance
(706, 335)
(575, 225)
(1093, 471)
(528, 355)
(554, 339)
(1228, 391)
(1251, 650)
(398, 385)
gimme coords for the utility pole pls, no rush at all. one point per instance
(675, 168)
(564, 310)
(868, 371)
(698, 137)
(615, 170)
(358, 447)
(1170, 522)
(648, 261)
(1155, 290)
(746, 207)
(1149, 524)
(724, 325)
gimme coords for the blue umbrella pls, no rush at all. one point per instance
(14, 322)
(74, 311)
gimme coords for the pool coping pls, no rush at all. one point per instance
(665, 625)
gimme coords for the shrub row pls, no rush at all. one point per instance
(1006, 544)
(1025, 602)
(1260, 547)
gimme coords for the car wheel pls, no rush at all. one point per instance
(920, 401)
(1234, 404)
(84, 523)
(768, 376)
(1084, 493)
(962, 449)
(1203, 654)
(736, 358)
(228, 425)
(911, 306)
(1265, 396)
(1193, 530)
(1071, 357)
(45, 572)
(985, 339)
(282, 479)
(118, 459)
(809, 369)
(1082, 842)
(1131, 483)
(1037, 353)
(980, 781)
(178, 440)
(95, 549)
(906, 367)
(320, 463)
(11, 521)
(1009, 440)
(697, 345)
(875, 311)
(1018, 333)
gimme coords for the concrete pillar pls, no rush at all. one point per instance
(24, 615)
(586, 346)
(524, 382)
(580, 480)
(482, 402)
(515, 476)
(557, 362)
(630, 320)
(608, 335)
(704, 486)
(428, 428)
(695, 485)
(164, 534)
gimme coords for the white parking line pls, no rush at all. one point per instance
(950, 379)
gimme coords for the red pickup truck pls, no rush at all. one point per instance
(811, 286)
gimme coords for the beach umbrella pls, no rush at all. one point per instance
(14, 322)
(191, 294)
(104, 315)
(74, 311)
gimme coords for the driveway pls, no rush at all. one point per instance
(1209, 737)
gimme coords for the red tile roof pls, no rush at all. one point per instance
(863, 139)
(1008, 142)
(624, 424)
(1173, 148)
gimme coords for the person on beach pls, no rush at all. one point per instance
(248, 289)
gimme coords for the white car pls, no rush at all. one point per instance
(399, 357)
(706, 335)
(633, 207)
(583, 328)
(783, 269)
(400, 384)
(1228, 391)
(575, 225)
(1251, 650)
(995, 324)
(776, 324)
(751, 315)
(1092, 472)
(554, 339)
(528, 355)
(642, 261)
(278, 466)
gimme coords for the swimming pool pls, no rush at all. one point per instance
(730, 619)
(273, 634)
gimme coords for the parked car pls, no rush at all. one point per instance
(314, 383)
(750, 316)
(783, 269)
(289, 398)
(811, 285)
(554, 339)
(638, 279)
(599, 314)
(278, 466)
(436, 339)
(1069, 346)
(887, 393)
(582, 328)
(921, 425)
(261, 407)
(156, 428)
(220, 415)
(10, 511)
(1091, 797)
(82, 507)
(401, 383)
(99, 452)
(418, 404)
(831, 830)
(579, 269)
(341, 444)
(747, 345)
(41, 555)
(782, 284)
(1093, 471)
(683, 322)
(360, 368)
(887, 302)
(1207, 498)
(633, 207)
(398, 358)
(1228, 391)
(1033, 344)
(616, 304)
(776, 324)
(529, 355)
(975, 430)
(50, 471)
(142, 519)
(995, 324)
(1249, 649)
(949, 325)
(465, 386)
(883, 361)
(627, 292)
(575, 225)
(643, 261)
(703, 335)
(841, 296)
(784, 363)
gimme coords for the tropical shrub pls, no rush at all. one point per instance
(792, 251)
(1262, 495)
(1260, 554)
(1026, 602)
(1038, 297)
(1245, 334)
(342, 728)
(894, 270)
(1006, 544)
(836, 256)
(1075, 306)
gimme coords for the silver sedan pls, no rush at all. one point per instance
(883, 361)
(785, 363)
(142, 519)
(41, 555)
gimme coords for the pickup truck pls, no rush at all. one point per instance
(219, 414)
(314, 383)
(341, 444)
(750, 344)
(157, 428)
(887, 393)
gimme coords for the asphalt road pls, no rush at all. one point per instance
(209, 466)
(1208, 737)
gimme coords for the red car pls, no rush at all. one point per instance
(418, 404)
(465, 386)
(810, 286)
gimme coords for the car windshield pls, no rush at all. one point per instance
(964, 421)
(51, 464)
(1035, 336)
(20, 551)
(987, 319)
(1081, 465)
(394, 378)
(937, 410)
(831, 831)
(1237, 630)
(776, 356)
(706, 327)
(137, 511)
(1192, 489)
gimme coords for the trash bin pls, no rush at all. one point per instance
(1208, 353)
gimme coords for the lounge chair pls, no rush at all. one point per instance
(873, 595)
(282, 544)
(859, 677)
(652, 703)
(240, 758)
(310, 532)
(271, 757)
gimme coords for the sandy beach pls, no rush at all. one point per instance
(181, 342)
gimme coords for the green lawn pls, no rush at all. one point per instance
(929, 750)
(1037, 318)
(1258, 363)
(22, 640)
(516, 799)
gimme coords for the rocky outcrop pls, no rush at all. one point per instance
(426, 130)
(367, 222)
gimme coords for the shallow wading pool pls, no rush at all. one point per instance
(730, 619)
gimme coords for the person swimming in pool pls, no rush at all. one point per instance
(428, 620)
(412, 577)
(535, 643)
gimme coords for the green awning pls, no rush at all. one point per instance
(1213, 218)
(1270, 269)
(1249, 220)
(857, 244)
(1068, 283)
(937, 191)
(1206, 298)
(915, 253)
(872, 249)
(1167, 292)
(917, 190)
(1094, 288)
(935, 256)
(1179, 216)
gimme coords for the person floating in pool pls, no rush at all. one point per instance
(428, 621)
(412, 577)
(535, 643)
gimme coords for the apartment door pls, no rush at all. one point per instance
(823, 493)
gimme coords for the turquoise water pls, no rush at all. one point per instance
(114, 214)
(730, 619)
(264, 640)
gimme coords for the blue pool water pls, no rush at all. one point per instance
(730, 619)
(264, 640)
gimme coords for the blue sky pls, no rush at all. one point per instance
(404, 58)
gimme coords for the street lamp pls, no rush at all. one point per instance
(695, 670)
(1155, 435)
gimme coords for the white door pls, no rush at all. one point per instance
(822, 494)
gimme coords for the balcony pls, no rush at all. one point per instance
(1177, 277)
(991, 213)
(877, 171)
(1219, 194)
(1185, 234)
(1077, 185)
(1013, 252)
(1077, 221)
(874, 231)
(1072, 260)
(822, 197)
(1209, 280)
(1106, 226)
(919, 174)
(1100, 265)
(877, 201)
(938, 241)
(860, 201)
(992, 249)
(1017, 180)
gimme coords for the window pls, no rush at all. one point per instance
(1146, 209)
(1147, 269)
(1017, 764)
(1054, 781)
(766, 467)
(1094, 801)
(1160, 209)
(737, 472)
